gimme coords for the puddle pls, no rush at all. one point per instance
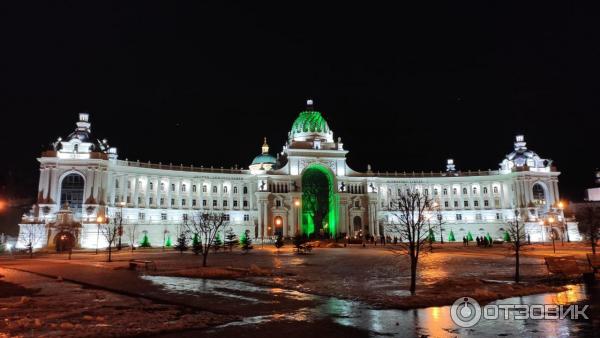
(431, 321)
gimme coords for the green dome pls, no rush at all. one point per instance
(310, 121)
(264, 159)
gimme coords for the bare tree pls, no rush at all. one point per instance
(132, 233)
(411, 212)
(110, 231)
(439, 218)
(588, 218)
(31, 235)
(516, 231)
(207, 226)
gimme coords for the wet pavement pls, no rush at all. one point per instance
(356, 319)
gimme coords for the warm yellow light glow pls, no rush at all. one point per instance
(541, 222)
(551, 219)
(278, 221)
(561, 204)
(297, 203)
(100, 219)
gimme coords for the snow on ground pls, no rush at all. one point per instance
(34, 306)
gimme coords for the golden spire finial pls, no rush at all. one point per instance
(265, 146)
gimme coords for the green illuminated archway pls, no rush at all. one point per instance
(319, 201)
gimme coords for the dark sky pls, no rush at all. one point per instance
(404, 87)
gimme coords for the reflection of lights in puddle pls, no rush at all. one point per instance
(433, 321)
(224, 288)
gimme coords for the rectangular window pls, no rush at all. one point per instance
(235, 190)
(456, 204)
(225, 189)
(246, 217)
(183, 202)
(194, 203)
(245, 190)
(495, 190)
(139, 200)
(214, 203)
(203, 188)
(278, 203)
(194, 188)
(498, 216)
(163, 216)
(226, 217)
(426, 192)
(150, 200)
(215, 189)
(486, 203)
(466, 204)
(162, 201)
(454, 191)
(141, 216)
(183, 187)
(235, 204)
(476, 203)
(478, 217)
(172, 201)
(128, 199)
(128, 184)
(245, 204)
(446, 204)
(459, 217)
(203, 203)
(172, 186)
(184, 217)
(224, 203)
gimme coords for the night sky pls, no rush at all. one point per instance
(404, 87)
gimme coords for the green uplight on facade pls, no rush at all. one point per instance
(319, 201)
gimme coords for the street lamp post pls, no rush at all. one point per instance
(553, 246)
(99, 220)
(121, 205)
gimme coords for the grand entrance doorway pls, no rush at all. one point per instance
(319, 202)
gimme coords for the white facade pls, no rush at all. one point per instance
(268, 197)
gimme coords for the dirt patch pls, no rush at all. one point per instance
(15, 290)
(63, 309)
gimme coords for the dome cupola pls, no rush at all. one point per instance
(264, 161)
(310, 125)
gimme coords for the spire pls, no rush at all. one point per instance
(265, 147)
(450, 166)
(520, 143)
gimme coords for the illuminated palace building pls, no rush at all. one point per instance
(308, 188)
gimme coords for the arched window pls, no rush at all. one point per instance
(495, 190)
(214, 189)
(150, 185)
(162, 186)
(465, 191)
(245, 190)
(116, 184)
(183, 187)
(71, 192)
(539, 194)
(445, 191)
(203, 188)
(235, 190)
(475, 190)
(485, 190)
(225, 189)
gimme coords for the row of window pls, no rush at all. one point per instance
(478, 217)
(184, 187)
(185, 217)
(194, 202)
(465, 191)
